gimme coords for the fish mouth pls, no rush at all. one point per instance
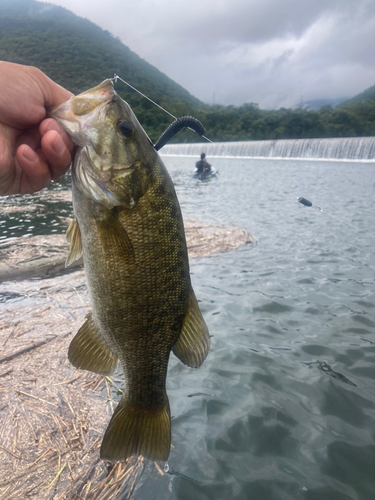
(101, 169)
(79, 115)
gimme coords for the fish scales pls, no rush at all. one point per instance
(136, 294)
(129, 228)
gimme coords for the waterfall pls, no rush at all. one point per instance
(346, 148)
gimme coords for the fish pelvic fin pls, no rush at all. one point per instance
(88, 351)
(73, 236)
(137, 430)
(193, 343)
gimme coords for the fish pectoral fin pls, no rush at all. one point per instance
(88, 351)
(193, 343)
(114, 237)
(137, 430)
(73, 236)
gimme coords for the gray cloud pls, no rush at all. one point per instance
(269, 52)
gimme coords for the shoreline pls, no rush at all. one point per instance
(52, 416)
(44, 256)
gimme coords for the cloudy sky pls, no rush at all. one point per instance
(270, 52)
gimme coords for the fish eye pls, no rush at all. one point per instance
(125, 127)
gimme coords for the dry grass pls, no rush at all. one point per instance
(46, 255)
(205, 239)
(21, 250)
(52, 417)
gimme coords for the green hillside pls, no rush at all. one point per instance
(78, 54)
(363, 97)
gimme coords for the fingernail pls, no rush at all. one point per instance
(30, 155)
(58, 145)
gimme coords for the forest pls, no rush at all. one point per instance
(78, 55)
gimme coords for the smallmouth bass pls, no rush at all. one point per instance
(129, 229)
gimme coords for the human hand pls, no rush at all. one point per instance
(33, 150)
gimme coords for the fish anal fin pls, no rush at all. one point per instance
(73, 236)
(193, 343)
(87, 350)
(137, 430)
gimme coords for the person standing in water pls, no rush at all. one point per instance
(202, 166)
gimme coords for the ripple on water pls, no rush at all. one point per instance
(284, 406)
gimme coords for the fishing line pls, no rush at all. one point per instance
(116, 77)
(300, 199)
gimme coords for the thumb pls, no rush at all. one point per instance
(53, 93)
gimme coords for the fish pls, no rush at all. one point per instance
(128, 227)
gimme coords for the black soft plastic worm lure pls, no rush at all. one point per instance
(176, 126)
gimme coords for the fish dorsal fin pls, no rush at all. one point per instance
(194, 341)
(88, 351)
(73, 236)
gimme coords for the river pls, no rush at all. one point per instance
(284, 405)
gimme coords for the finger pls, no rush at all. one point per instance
(56, 153)
(53, 94)
(35, 174)
(31, 137)
(51, 124)
(7, 174)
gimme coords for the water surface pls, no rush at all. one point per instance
(284, 405)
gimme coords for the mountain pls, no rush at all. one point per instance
(362, 98)
(78, 55)
(318, 103)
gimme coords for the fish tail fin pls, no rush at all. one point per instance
(138, 430)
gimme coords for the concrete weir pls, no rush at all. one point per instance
(336, 149)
